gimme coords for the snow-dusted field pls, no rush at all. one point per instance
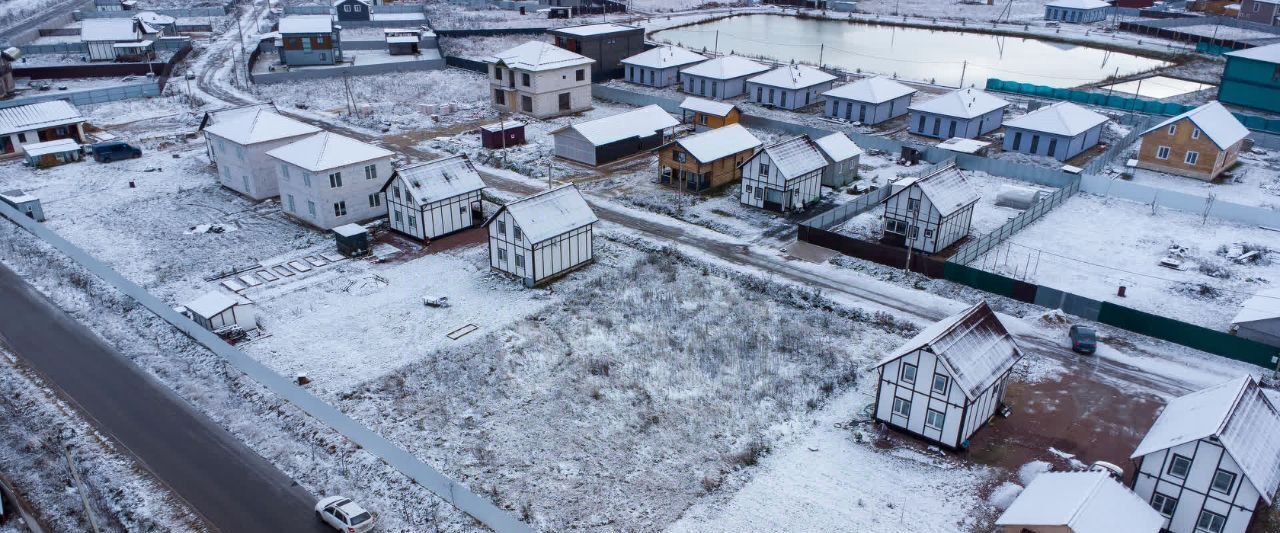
(1254, 181)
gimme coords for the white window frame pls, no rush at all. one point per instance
(1173, 461)
(371, 172)
(340, 208)
(901, 402)
(1173, 129)
(1192, 157)
(1162, 152)
(902, 373)
(1195, 133)
(1165, 500)
(502, 255)
(311, 207)
(929, 419)
(1213, 482)
(284, 171)
(946, 383)
(335, 180)
(375, 200)
(292, 207)
(1220, 519)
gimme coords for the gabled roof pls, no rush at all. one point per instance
(875, 90)
(1213, 120)
(211, 304)
(793, 77)
(945, 188)
(588, 30)
(1084, 502)
(41, 115)
(327, 151)
(710, 107)
(340, 2)
(1078, 4)
(1239, 415)
(536, 56)
(838, 147)
(973, 346)
(1269, 53)
(1062, 118)
(1263, 305)
(664, 57)
(726, 68)
(109, 29)
(257, 125)
(548, 214)
(306, 24)
(641, 122)
(962, 103)
(440, 179)
(796, 156)
(717, 143)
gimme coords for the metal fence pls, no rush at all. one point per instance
(193, 12)
(974, 249)
(1138, 125)
(840, 214)
(356, 70)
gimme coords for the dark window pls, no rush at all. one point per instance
(1164, 504)
(580, 74)
(1017, 140)
(920, 127)
(908, 373)
(1223, 481)
(526, 104)
(564, 101)
(940, 383)
(937, 124)
(499, 97)
(1053, 146)
(1179, 466)
(1035, 143)
(951, 129)
(524, 79)
(902, 407)
(1210, 522)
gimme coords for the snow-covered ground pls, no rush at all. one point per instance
(1254, 181)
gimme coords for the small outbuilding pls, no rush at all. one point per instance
(352, 240)
(1078, 502)
(501, 135)
(789, 87)
(1077, 11)
(542, 237)
(708, 114)
(785, 176)
(869, 100)
(218, 312)
(349, 10)
(966, 113)
(52, 153)
(719, 78)
(25, 203)
(433, 199)
(660, 67)
(706, 160)
(403, 41)
(1201, 143)
(1259, 318)
(950, 379)
(614, 137)
(930, 213)
(1061, 131)
(842, 156)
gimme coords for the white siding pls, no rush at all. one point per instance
(241, 164)
(855, 111)
(544, 90)
(1194, 493)
(786, 98)
(432, 220)
(355, 192)
(573, 146)
(791, 195)
(653, 77)
(922, 398)
(546, 260)
(934, 231)
(713, 88)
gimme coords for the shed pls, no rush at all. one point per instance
(309, 40)
(930, 213)
(218, 312)
(502, 134)
(52, 153)
(614, 137)
(705, 160)
(660, 67)
(842, 159)
(352, 10)
(433, 199)
(352, 240)
(402, 41)
(25, 203)
(789, 87)
(1259, 318)
(949, 380)
(542, 237)
(1076, 11)
(708, 114)
(965, 113)
(1061, 131)
(1249, 78)
(785, 176)
(869, 100)
(1079, 502)
(719, 78)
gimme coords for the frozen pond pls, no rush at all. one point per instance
(1158, 87)
(910, 53)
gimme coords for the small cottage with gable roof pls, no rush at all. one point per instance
(785, 176)
(659, 67)
(869, 100)
(436, 198)
(1201, 143)
(541, 237)
(705, 160)
(789, 87)
(708, 114)
(930, 213)
(1078, 502)
(964, 113)
(842, 159)
(949, 379)
(1061, 131)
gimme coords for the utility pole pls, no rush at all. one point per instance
(549, 172)
(717, 47)
(1115, 78)
(822, 47)
(963, 69)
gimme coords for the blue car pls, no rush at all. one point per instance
(106, 152)
(1083, 339)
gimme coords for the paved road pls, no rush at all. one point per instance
(230, 486)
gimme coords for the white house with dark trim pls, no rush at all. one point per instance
(931, 212)
(785, 176)
(1078, 502)
(1259, 317)
(964, 113)
(842, 156)
(429, 200)
(719, 78)
(614, 137)
(659, 67)
(869, 100)
(1211, 458)
(949, 379)
(541, 237)
(1061, 131)
(238, 144)
(329, 180)
(789, 87)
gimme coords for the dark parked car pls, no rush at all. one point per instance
(1083, 339)
(106, 152)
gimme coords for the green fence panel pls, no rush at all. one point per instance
(978, 279)
(1200, 338)
(994, 84)
(1254, 123)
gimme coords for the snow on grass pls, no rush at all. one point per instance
(478, 48)
(1254, 181)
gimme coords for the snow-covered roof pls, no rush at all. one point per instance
(151, 17)
(1239, 415)
(1269, 53)
(42, 115)
(401, 39)
(1062, 118)
(946, 189)
(1078, 4)
(838, 147)
(726, 68)
(1083, 502)
(139, 44)
(440, 179)
(974, 347)
(350, 230)
(108, 29)
(1263, 305)
(51, 147)
(497, 127)
(963, 145)
(548, 214)
(796, 156)
(1215, 121)
(721, 142)
(664, 57)
(257, 125)
(641, 122)
(17, 196)
(211, 304)
(875, 90)
(588, 30)
(962, 103)
(793, 77)
(306, 24)
(537, 56)
(710, 107)
(327, 150)
(339, 2)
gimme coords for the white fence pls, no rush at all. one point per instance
(1181, 201)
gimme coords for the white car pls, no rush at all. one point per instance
(344, 515)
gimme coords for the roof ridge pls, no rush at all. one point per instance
(1099, 479)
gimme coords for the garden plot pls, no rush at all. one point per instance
(1092, 245)
(1254, 181)
(481, 48)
